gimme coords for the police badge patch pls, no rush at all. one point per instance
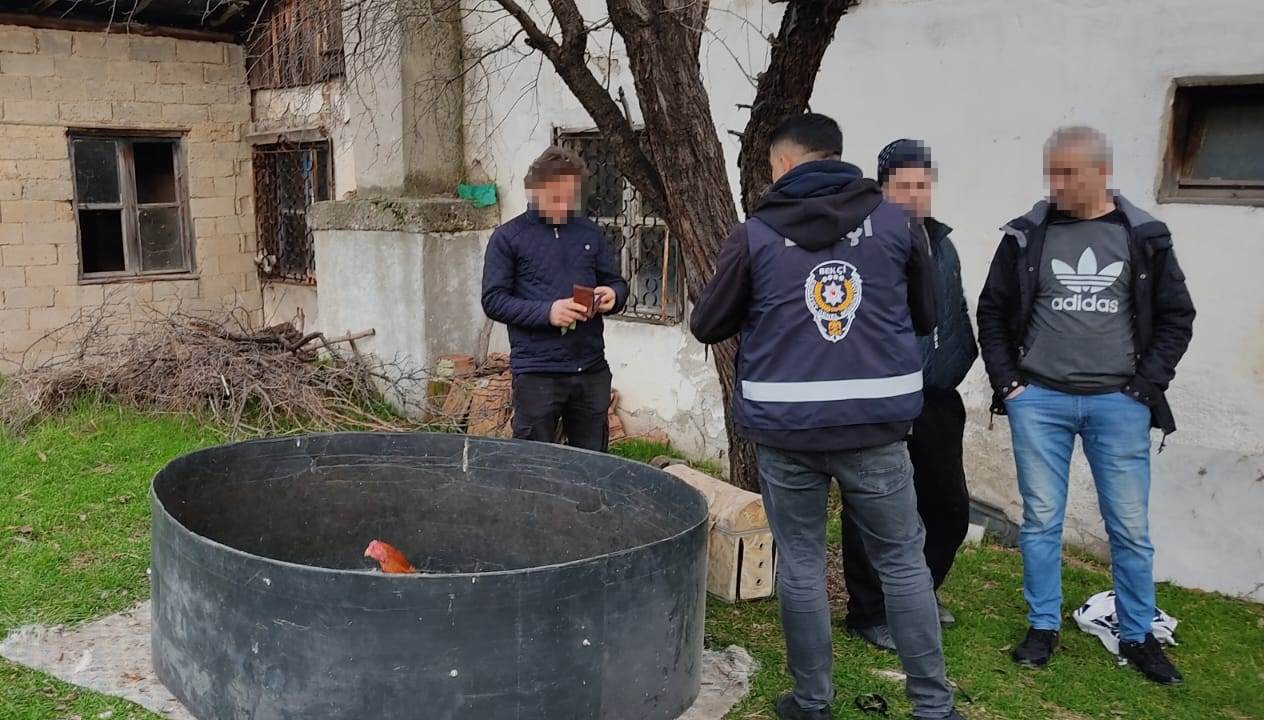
(832, 293)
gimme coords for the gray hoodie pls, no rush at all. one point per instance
(1081, 334)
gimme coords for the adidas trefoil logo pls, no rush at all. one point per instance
(1086, 278)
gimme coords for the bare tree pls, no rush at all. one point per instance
(676, 160)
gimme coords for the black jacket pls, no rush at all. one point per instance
(1162, 324)
(528, 265)
(950, 351)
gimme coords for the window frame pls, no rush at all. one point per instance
(631, 203)
(1175, 186)
(281, 144)
(129, 207)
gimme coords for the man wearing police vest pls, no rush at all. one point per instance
(828, 287)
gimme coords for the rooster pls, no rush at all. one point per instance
(390, 559)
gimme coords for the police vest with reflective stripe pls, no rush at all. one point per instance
(829, 340)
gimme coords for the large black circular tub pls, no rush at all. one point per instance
(555, 584)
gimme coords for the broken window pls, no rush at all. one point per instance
(299, 42)
(289, 177)
(1216, 151)
(130, 204)
(648, 255)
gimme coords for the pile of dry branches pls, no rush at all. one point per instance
(251, 381)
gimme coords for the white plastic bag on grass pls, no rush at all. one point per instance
(1097, 617)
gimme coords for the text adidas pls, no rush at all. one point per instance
(1085, 303)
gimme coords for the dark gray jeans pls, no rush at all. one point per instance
(877, 487)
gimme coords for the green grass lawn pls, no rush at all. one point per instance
(74, 541)
(74, 536)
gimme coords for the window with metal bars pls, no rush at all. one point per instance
(648, 255)
(289, 177)
(298, 42)
(131, 204)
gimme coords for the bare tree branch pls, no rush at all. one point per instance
(568, 61)
(536, 38)
(569, 18)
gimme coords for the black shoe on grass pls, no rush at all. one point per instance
(1036, 649)
(1147, 657)
(788, 709)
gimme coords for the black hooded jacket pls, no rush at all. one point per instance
(814, 205)
(1163, 320)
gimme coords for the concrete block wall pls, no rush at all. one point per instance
(52, 80)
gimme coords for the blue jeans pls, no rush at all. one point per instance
(877, 488)
(1115, 432)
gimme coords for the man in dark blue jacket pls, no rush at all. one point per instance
(826, 284)
(907, 176)
(557, 352)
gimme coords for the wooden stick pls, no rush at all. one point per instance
(353, 336)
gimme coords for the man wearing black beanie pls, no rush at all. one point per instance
(907, 176)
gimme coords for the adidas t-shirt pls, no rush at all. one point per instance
(1081, 334)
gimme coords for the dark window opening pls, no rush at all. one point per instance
(1216, 150)
(102, 239)
(97, 171)
(131, 205)
(155, 172)
(649, 257)
(289, 177)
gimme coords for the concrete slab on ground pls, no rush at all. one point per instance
(111, 656)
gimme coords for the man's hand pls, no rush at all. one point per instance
(605, 298)
(1016, 392)
(567, 312)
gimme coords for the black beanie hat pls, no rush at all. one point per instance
(900, 154)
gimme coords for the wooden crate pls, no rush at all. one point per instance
(741, 555)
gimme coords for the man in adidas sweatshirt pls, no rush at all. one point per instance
(1082, 321)
(825, 283)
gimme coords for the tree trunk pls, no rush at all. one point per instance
(685, 148)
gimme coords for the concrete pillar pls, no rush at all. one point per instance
(434, 97)
(405, 96)
(408, 268)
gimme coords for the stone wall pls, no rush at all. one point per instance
(52, 80)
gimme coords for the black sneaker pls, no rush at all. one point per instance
(1147, 656)
(1036, 649)
(788, 709)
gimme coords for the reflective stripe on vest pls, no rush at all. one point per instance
(832, 390)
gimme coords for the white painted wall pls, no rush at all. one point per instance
(984, 82)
